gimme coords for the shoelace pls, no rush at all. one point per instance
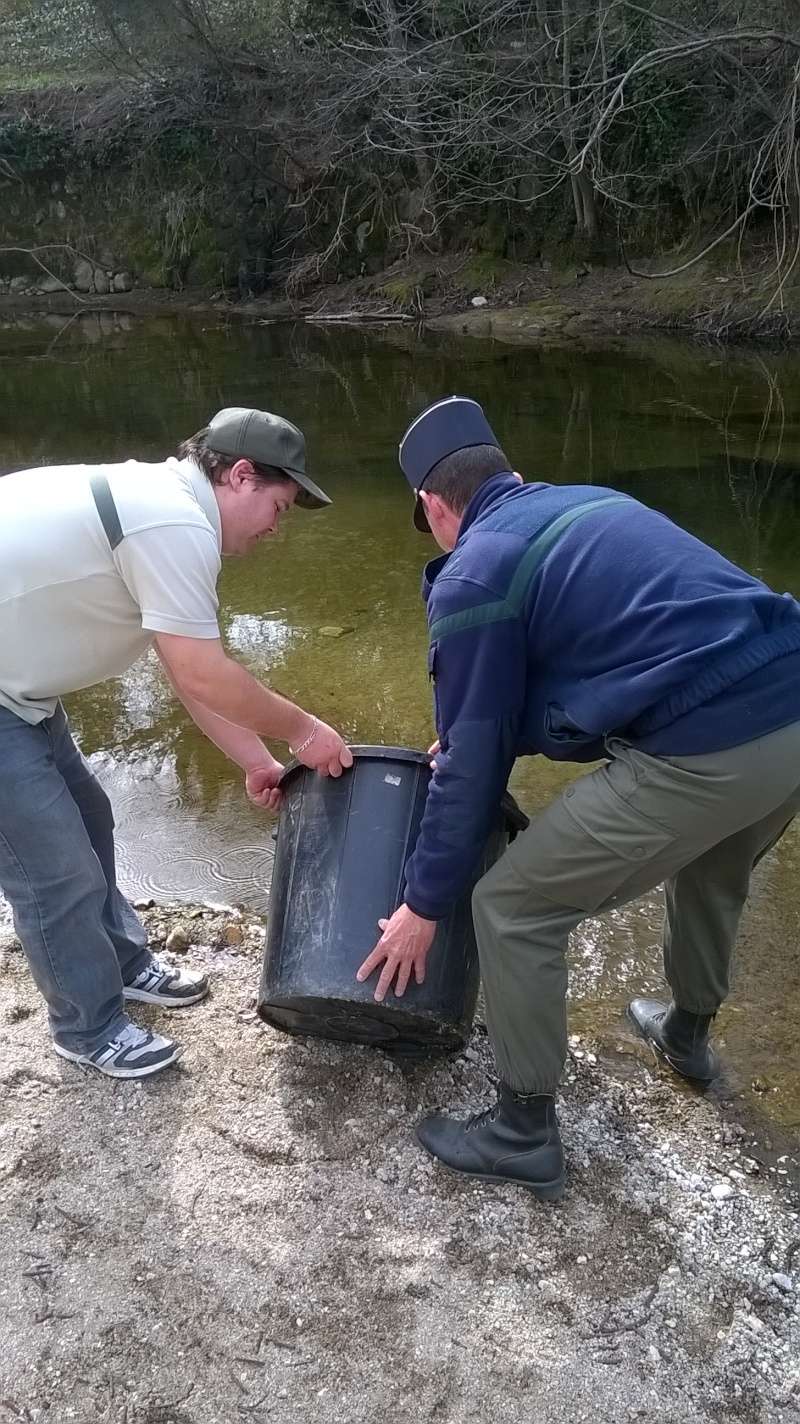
(488, 1115)
(131, 1037)
(156, 966)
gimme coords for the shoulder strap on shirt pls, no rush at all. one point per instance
(106, 508)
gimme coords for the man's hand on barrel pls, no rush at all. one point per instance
(261, 785)
(322, 749)
(402, 948)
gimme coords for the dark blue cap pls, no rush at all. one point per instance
(444, 427)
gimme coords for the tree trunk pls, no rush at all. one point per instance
(398, 42)
(583, 194)
(585, 200)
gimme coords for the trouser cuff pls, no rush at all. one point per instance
(527, 1089)
(700, 1011)
(88, 1044)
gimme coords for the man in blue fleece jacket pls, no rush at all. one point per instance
(575, 622)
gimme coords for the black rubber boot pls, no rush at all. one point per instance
(515, 1141)
(679, 1037)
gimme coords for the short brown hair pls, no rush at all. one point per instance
(456, 478)
(214, 465)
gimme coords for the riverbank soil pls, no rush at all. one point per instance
(254, 1234)
(474, 294)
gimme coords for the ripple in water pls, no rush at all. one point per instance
(168, 850)
(171, 845)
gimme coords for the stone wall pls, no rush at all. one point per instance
(99, 280)
(99, 233)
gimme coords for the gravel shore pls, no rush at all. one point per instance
(255, 1235)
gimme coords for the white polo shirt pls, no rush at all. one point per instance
(72, 612)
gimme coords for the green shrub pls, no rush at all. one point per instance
(30, 147)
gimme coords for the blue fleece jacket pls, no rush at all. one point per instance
(566, 615)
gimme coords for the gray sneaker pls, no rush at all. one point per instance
(161, 983)
(134, 1053)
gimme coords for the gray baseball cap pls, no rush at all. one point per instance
(268, 440)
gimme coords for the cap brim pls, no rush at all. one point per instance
(309, 496)
(421, 518)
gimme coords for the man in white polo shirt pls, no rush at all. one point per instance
(98, 563)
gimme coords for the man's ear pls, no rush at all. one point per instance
(432, 504)
(236, 473)
(518, 477)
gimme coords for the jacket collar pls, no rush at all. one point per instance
(486, 497)
(430, 574)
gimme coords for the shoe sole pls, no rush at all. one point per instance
(665, 1058)
(545, 1191)
(167, 1001)
(147, 1072)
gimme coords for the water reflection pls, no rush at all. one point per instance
(267, 636)
(183, 835)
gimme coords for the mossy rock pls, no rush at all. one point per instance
(678, 296)
(401, 291)
(565, 277)
(483, 273)
(491, 238)
(534, 318)
(141, 249)
(544, 311)
(154, 276)
(205, 266)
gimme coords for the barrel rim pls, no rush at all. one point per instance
(515, 818)
(365, 751)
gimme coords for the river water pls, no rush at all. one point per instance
(330, 613)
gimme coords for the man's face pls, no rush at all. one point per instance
(250, 509)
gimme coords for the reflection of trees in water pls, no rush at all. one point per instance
(587, 416)
(105, 387)
(737, 431)
(759, 485)
(314, 360)
(578, 435)
(109, 389)
(764, 487)
(766, 497)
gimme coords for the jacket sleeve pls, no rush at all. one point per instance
(479, 673)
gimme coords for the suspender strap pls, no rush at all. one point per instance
(106, 508)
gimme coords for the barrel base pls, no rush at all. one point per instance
(397, 1031)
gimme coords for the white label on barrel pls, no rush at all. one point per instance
(393, 780)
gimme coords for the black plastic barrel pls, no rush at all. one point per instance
(340, 860)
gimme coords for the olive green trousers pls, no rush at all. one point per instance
(698, 824)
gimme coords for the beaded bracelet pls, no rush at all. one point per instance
(309, 739)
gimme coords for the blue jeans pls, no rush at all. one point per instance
(81, 938)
